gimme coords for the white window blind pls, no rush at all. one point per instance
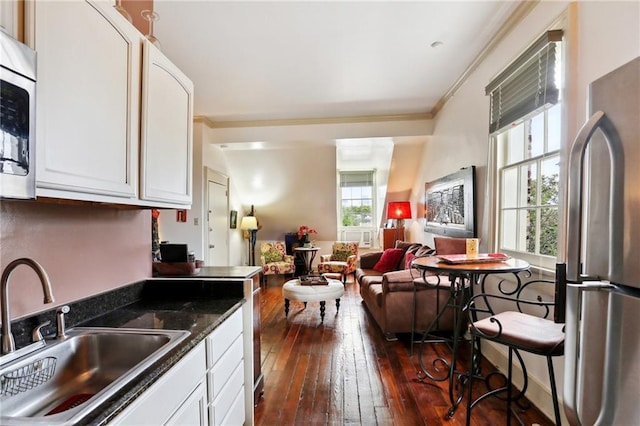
(527, 84)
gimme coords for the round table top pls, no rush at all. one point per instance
(434, 264)
(306, 248)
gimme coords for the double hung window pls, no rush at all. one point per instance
(356, 198)
(526, 123)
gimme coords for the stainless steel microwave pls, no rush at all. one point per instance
(17, 119)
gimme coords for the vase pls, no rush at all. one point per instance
(304, 241)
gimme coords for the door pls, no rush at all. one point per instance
(217, 219)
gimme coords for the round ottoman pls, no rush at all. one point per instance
(293, 290)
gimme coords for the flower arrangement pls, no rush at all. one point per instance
(303, 233)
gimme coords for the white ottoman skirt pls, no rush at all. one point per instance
(292, 290)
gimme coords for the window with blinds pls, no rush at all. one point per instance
(526, 133)
(356, 198)
(528, 83)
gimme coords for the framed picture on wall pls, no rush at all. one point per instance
(233, 219)
(450, 204)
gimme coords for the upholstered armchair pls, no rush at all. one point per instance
(342, 260)
(275, 260)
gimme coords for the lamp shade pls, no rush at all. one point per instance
(399, 210)
(249, 223)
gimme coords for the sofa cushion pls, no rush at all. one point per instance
(408, 258)
(371, 279)
(375, 290)
(369, 260)
(389, 260)
(401, 280)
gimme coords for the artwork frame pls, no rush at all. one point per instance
(233, 219)
(450, 204)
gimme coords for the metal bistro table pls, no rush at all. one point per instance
(464, 276)
(307, 254)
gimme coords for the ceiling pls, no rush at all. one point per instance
(297, 60)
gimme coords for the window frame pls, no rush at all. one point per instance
(500, 166)
(374, 215)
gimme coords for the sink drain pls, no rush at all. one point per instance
(71, 402)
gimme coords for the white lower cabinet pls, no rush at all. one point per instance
(178, 398)
(225, 373)
(194, 410)
(206, 387)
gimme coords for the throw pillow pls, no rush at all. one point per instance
(389, 260)
(408, 259)
(272, 256)
(341, 255)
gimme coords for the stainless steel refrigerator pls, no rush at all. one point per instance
(602, 346)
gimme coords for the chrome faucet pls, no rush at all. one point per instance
(8, 344)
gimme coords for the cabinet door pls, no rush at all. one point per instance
(167, 123)
(88, 85)
(10, 15)
(193, 411)
(172, 395)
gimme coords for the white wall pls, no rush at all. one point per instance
(608, 35)
(193, 232)
(189, 232)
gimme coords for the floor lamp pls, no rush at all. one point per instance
(250, 224)
(399, 210)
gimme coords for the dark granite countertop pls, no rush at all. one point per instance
(237, 272)
(197, 305)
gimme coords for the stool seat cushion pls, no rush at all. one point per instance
(520, 330)
(292, 290)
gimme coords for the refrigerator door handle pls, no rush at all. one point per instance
(573, 345)
(575, 195)
(576, 192)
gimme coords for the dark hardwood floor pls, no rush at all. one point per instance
(344, 372)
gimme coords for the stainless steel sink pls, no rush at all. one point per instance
(65, 380)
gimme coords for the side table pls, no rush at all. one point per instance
(307, 254)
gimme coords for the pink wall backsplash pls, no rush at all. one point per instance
(86, 250)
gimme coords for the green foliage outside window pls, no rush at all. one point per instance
(548, 216)
(356, 216)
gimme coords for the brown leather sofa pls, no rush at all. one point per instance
(389, 296)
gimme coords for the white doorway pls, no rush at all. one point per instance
(217, 230)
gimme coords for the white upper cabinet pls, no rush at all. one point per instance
(111, 125)
(167, 124)
(10, 18)
(87, 107)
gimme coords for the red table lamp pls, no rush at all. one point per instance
(399, 210)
